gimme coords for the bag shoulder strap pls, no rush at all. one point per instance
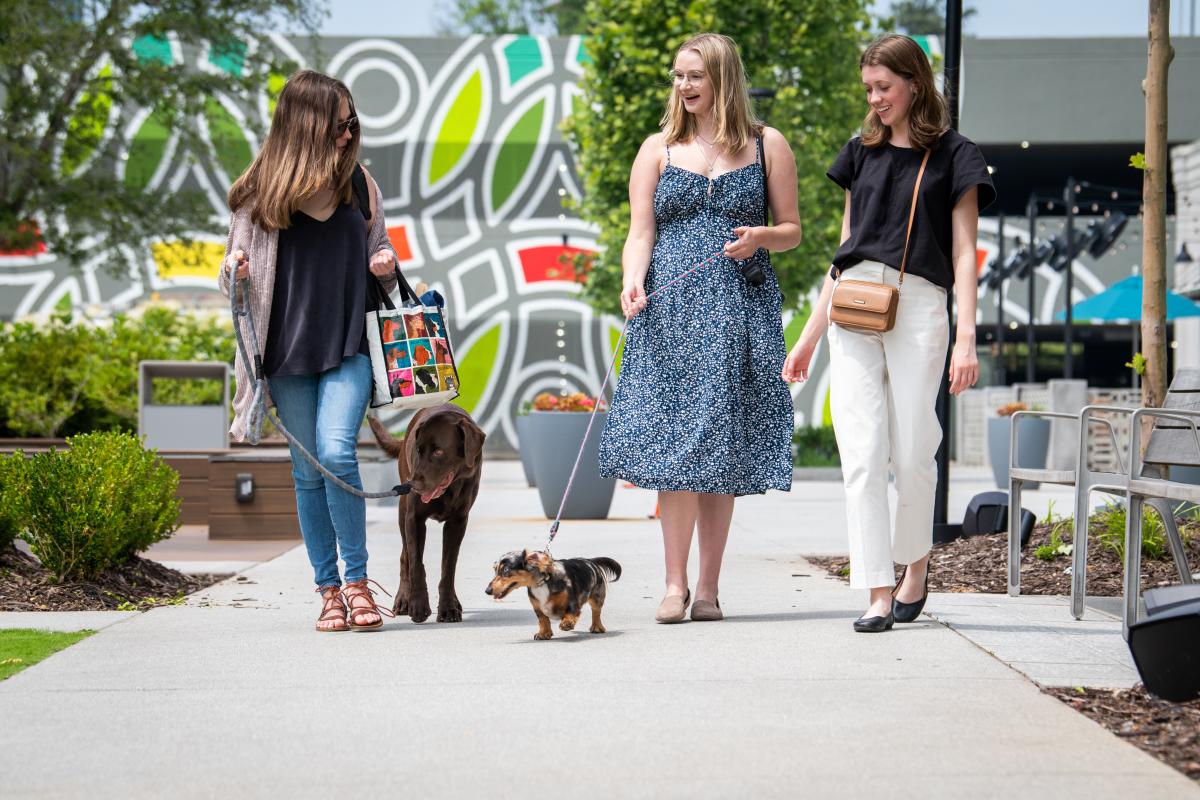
(912, 213)
(361, 191)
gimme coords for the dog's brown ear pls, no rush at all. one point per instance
(473, 438)
(536, 560)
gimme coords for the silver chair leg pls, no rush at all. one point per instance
(1167, 512)
(1014, 538)
(1079, 542)
(1133, 563)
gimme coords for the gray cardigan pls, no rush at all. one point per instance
(260, 245)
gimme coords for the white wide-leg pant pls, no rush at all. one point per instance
(883, 396)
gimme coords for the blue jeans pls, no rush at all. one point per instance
(324, 412)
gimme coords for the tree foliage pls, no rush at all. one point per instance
(806, 50)
(498, 17)
(922, 17)
(67, 70)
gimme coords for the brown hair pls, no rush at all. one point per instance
(735, 121)
(299, 157)
(929, 115)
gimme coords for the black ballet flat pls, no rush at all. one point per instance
(874, 624)
(908, 612)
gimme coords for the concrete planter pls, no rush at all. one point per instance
(1032, 445)
(522, 424)
(552, 439)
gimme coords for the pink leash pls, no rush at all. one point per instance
(607, 374)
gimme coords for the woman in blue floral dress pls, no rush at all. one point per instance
(700, 412)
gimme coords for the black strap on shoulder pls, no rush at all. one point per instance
(360, 192)
(762, 165)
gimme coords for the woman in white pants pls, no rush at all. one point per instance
(884, 386)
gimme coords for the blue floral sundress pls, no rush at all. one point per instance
(699, 404)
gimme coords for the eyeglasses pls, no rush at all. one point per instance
(350, 124)
(694, 78)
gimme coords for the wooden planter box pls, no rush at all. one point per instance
(271, 514)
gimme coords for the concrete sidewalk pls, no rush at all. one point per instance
(234, 695)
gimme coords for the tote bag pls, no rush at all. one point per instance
(412, 362)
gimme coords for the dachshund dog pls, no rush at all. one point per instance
(557, 589)
(441, 458)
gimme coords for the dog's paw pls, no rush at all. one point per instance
(400, 606)
(449, 612)
(566, 625)
(418, 609)
(543, 636)
(597, 628)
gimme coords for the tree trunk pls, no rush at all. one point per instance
(1154, 201)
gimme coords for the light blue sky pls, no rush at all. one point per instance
(994, 18)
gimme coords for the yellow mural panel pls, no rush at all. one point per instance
(187, 260)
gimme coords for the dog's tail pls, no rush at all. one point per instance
(388, 443)
(610, 568)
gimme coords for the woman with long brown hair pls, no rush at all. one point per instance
(700, 413)
(308, 233)
(913, 192)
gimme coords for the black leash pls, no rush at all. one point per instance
(258, 408)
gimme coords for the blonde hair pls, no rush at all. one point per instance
(929, 115)
(300, 156)
(735, 121)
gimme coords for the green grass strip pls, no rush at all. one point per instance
(24, 647)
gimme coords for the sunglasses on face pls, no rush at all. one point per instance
(350, 124)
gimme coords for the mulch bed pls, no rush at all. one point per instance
(980, 564)
(139, 585)
(1168, 731)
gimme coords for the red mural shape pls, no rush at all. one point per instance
(550, 263)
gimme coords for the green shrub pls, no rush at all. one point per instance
(816, 447)
(97, 503)
(59, 377)
(10, 497)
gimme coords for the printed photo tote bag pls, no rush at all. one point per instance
(412, 362)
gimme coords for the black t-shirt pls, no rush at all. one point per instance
(320, 295)
(880, 180)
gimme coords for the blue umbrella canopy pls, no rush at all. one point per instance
(1123, 301)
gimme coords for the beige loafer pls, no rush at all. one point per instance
(673, 608)
(707, 611)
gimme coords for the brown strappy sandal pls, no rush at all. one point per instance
(332, 610)
(359, 590)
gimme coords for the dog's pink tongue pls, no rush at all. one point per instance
(437, 490)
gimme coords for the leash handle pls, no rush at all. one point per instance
(608, 374)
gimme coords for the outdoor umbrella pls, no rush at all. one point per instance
(1123, 302)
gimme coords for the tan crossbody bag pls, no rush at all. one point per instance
(870, 307)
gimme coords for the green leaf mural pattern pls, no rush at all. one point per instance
(233, 151)
(475, 368)
(457, 129)
(86, 128)
(516, 152)
(145, 152)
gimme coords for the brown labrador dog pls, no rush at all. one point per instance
(441, 458)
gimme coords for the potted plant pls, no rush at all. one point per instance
(1033, 441)
(553, 434)
(523, 447)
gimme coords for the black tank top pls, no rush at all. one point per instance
(320, 294)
